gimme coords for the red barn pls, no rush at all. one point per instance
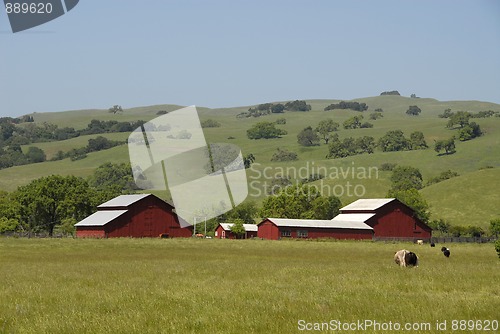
(141, 215)
(278, 228)
(391, 218)
(223, 231)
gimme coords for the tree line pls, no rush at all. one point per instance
(275, 108)
(347, 105)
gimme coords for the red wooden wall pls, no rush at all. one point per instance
(90, 232)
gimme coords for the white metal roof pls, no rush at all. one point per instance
(368, 204)
(248, 227)
(352, 217)
(123, 200)
(100, 218)
(282, 222)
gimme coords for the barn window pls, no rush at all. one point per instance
(286, 233)
(302, 233)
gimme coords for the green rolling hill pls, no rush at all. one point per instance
(470, 199)
(470, 157)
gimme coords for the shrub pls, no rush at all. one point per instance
(376, 115)
(388, 166)
(313, 177)
(366, 125)
(210, 123)
(443, 176)
(497, 247)
(264, 130)
(278, 183)
(284, 155)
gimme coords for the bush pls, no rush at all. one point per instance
(443, 176)
(376, 115)
(35, 154)
(388, 166)
(313, 177)
(366, 125)
(497, 247)
(210, 123)
(281, 121)
(284, 155)
(264, 130)
(77, 154)
(278, 183)
(446, 114)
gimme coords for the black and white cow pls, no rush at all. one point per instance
(405, 258)
(446, 251)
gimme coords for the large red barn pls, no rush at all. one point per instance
(141, 215)
(391, 218)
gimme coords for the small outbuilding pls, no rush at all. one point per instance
(139, 215)
(223, 231)
(352, 228)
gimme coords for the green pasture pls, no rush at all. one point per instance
(236, 286)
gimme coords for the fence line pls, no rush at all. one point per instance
(437, 240)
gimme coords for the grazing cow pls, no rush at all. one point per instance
(406, 258)
(420, 242)
(433, 244)
(446, 251)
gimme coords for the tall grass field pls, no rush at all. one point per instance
(240, 286)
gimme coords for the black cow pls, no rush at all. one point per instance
(433, 244)
(446, 251)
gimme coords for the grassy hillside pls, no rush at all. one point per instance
(238, 286)
(471, 199)
(469, 158)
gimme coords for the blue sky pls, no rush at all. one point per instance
(233, 53)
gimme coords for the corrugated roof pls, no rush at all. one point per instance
(248, 227)
(282, 222)
(100, 218)
(368, 204)
(123, 200)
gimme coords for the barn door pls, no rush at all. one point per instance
(148, 223)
